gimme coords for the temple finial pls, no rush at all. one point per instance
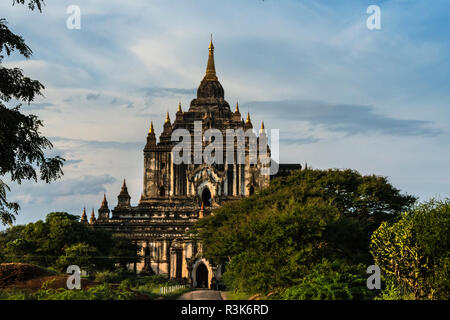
(167, 117)
(237, 107)
(151, 130)
(200, 214)
(179, 107)
(104, 202)
(211, 68)
(248, 118)
(262, 126)
(92, 219)
(211, 46)
(83, 216)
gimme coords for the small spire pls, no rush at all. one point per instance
(83, 216)
(92, 219)
(248, 118)
(179, 107)
(167, 118)
(151, 130)
(124, 185)
(104, 202)
(211, 46)
(262, 126)
(237, 107)
(200, 214)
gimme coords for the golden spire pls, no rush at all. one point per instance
(179, 107)
(83, 216)
(92, 219)
(248, 118)
(237, 107)
(211, 68)
(200, 214)
(262, 126)
(104, 202)
(151, 130)
(167, 118)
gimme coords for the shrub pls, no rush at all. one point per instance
(331, 281)
(415, 251)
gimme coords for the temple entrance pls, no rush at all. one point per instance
(179, 264)
(201, 276)
(146, 258)
(206, 197)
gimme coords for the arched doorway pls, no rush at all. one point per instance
(147, 269)
(146, 257)
(206, 197)
(162, 191)
(251, 190)
(201, 276)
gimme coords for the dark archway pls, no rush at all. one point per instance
(146, 258)
(162, 191)
(251, 190)
(201, 276)
(206, 197)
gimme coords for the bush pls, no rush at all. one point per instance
(101, 292)
(331, 281)
(415, 251)
(115, 276)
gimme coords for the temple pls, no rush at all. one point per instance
(175, 196)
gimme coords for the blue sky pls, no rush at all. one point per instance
(343, 96)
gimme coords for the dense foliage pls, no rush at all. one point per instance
(21, 143)
(278, 238)
(331, 281)
(61, 240)
(101, 292)
(414, 252)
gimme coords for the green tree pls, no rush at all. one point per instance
(53, 242)
(415, 250)
(331, 281)
(125, 251)
(81, 254)
(21, 144)
(271, 240)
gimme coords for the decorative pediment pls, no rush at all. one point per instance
(205, 173)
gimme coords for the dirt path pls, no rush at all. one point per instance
(201, 295)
